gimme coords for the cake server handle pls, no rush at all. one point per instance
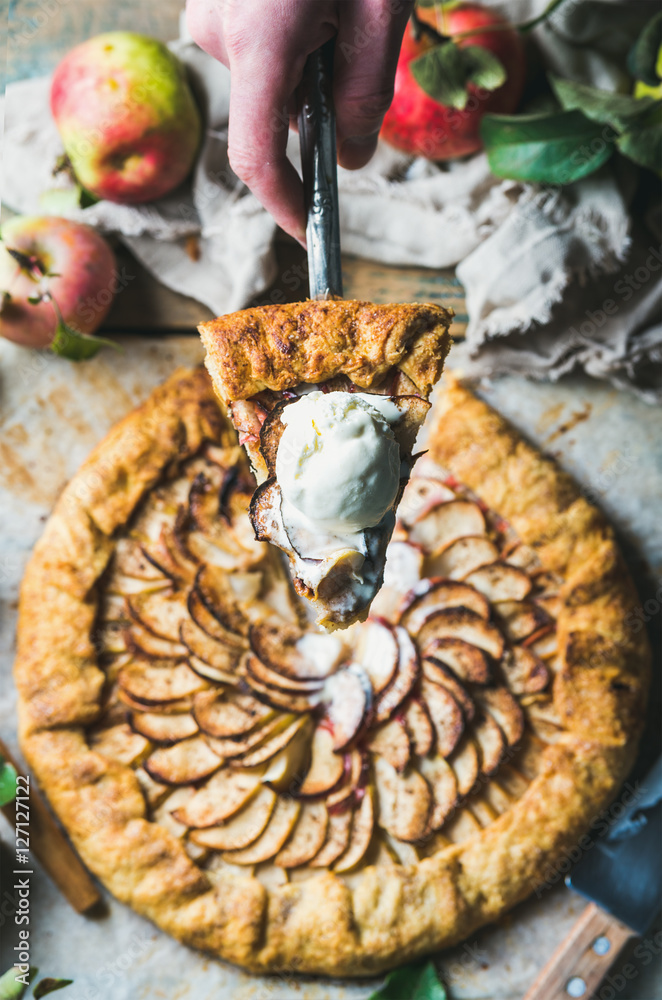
(317, 139)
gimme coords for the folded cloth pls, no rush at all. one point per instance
(524, 253)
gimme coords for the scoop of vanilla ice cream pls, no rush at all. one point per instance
(338, 462)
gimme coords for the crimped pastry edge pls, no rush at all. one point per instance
(321, 925)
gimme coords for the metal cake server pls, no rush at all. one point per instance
(317, 138)
(621, 873)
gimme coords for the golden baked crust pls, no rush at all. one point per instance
(327, 924)
(278, 347)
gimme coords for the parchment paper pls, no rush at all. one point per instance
(51, 414)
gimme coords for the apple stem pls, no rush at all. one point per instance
(420, 28)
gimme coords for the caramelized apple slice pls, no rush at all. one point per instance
(521, 619)
(445, 524)
(355, 776)
(229, 713)
(404, 800)
(163, 729)
(235, 746)
(465, 763)
(460, 623)
(525, 673)
(429, 596)
(500, 582)
(421, 495)
(161, 613)
(120, 743)
(278, 829)
(259, 671)
(446, 716)
(243, 828)
(468, 662)
(391, 741)
(288, 764)
(216, 653)
(404, 679)
(307, 837)
(218, 597)
(155, 682)
(222, 796)
(363, 824)
(210, 673)
(491, 743)
(291, 701)
(419, 727)
(443, 784)
(337, 839)
(286, 651)
(462, 557)
(183, 763)
(378, 653)
(203, 617)
(439, 673)
(130, 559)
(146, 643)
(326, 767)
(505, 711)
(348, 702)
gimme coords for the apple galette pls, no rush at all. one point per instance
(328, 398)
(291, 799)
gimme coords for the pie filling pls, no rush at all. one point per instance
(332, 464)
(269, 747)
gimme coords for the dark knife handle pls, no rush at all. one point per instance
(583, 958)
(317, 138)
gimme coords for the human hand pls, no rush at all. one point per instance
(265, 44)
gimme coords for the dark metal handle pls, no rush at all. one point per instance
(317, 137)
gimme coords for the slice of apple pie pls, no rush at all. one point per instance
(328, 398)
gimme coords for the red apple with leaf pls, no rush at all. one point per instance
(458, 61)
(57, 280)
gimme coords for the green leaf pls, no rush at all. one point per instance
(643, 142)
(412, 982)
(445, 71)
(643, 56)
(8, 778)
(548, 149)
(10, 989)
(77, 346)
(618, 110)
(46, 986)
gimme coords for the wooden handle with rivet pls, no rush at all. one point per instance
(52, 849)
(583, 958)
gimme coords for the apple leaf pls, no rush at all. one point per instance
(46, 986)
(13, 989)
(445, 71)
(413, 982)
(643, 56)
(8, 778)
(618, 110)
(643, 142)
(547, 149)
(76, 346)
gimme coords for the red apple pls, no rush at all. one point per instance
(418, 124)
(82, 289)
(126, 115)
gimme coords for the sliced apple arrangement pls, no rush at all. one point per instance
(271, 748)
